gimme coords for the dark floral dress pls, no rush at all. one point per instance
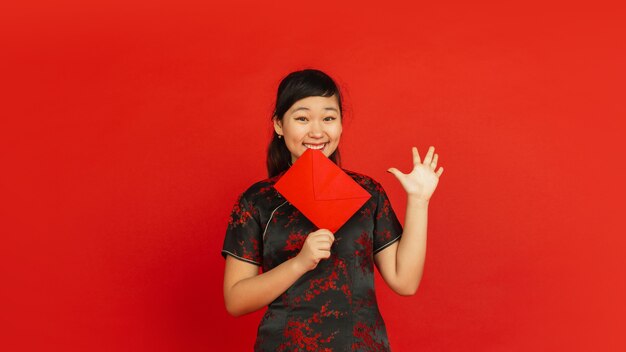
(332, 307)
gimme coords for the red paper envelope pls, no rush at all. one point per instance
(321, 190)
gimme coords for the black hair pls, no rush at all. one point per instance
(295, 86)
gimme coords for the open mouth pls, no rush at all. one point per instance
(315, 146)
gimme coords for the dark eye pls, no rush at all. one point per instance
(330, 118)
(301, 118)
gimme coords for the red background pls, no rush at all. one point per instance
(128, 130)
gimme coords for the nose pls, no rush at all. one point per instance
(316, 130)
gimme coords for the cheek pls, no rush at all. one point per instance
(337, 133)
(295, 138)
(294, 133)
(294, 141)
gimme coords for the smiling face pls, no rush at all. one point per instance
(312, 122)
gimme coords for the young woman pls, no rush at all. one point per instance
(319, 285)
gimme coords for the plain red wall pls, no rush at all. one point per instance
(128, 130)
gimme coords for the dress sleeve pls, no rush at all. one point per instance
(387, 227)
(243, 234)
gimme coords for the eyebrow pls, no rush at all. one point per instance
(305, 108)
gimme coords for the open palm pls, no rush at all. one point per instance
(422, 181)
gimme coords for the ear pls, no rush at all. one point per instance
(277, 126)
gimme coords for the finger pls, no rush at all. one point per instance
(433, 164)
(440, 171)
(324, 252)
(324, 245)
(323, 240)
(396, 173)
(327, 233)
(325, 236)
(429, 156)
(416, 156)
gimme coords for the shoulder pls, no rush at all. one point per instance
(261, 190)
(365, 181)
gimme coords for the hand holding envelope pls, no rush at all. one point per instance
(315, 248)
(326, 195)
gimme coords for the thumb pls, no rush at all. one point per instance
(395, 172)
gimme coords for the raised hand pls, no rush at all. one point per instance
(421, 182)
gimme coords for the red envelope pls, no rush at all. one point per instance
(321, 190)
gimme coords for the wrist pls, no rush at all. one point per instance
(296, 266)
(417, 200)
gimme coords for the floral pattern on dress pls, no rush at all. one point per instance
(330, 308)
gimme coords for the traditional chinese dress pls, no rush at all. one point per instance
(332, 307)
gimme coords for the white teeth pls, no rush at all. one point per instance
(315, 147)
